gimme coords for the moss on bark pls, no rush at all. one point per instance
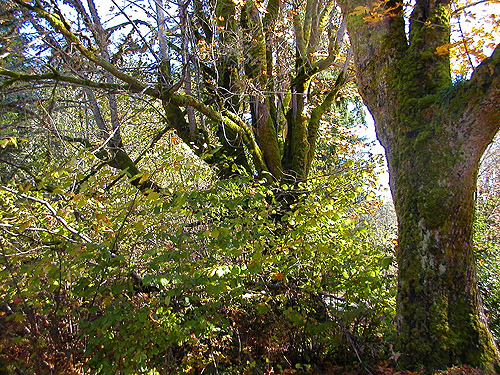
(434, 135)
(433, 174)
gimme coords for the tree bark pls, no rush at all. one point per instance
(439, 314)
(434, 134)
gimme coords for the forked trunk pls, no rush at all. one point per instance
(439, 312)
(434, 134)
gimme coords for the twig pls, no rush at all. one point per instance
(34, 229)
(52, 211)
(465, 44)
(27, 252)
(21, 167)
(351, 341)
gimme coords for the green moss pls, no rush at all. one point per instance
(423, 136)
(268, 142)
(441, 323)
(254, 43)
(472, 341)
(300, 145)
(432, 209)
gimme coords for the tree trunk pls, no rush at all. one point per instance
(439, 314)
(434, 134)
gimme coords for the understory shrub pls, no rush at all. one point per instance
(235, 277)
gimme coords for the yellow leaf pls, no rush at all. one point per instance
(278, 276)
(25, 225)
(373, 17)
(443, 50)
(108, 230)
(144, 177)
(359, 10)
(103, 218)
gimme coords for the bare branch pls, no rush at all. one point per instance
(59, 25)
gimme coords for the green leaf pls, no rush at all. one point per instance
(386, 262)
(263, 308)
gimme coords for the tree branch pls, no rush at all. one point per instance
(60, 26)
(35, 229)
(53, 212)
(377, 47)
(228, 118)
(335, 42)
(55, 76)
(475, 104)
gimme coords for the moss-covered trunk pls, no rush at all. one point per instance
(434, 134)
(439, 314)
(297, 147)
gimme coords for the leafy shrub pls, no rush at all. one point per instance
(237, 276)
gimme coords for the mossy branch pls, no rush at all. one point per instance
(334, 44)
(310, 69)
(228, 118)
(299, 35)
(55, 76)
(318, 112)
(377, 48)
(270, 17)
(474, 104)
(310, 20)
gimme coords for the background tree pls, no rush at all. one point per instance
(254, 108)
(434, 133)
